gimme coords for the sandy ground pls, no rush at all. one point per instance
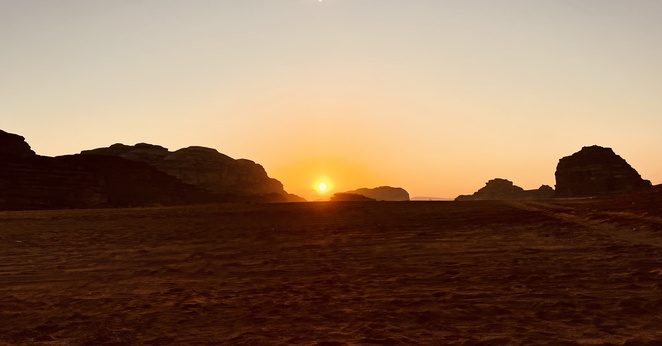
(563, 272)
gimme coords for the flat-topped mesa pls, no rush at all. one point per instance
(383, 193)
(203, 167)
(595, 171)
(14, 146)
(503, 189)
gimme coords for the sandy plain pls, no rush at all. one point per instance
(585, 272)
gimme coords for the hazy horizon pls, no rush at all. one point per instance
(436, 97)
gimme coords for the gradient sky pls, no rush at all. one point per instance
(434, 96)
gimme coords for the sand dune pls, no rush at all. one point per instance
(562, 272)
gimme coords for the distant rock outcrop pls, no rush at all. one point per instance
(595, 171)
(350, 197)
(502, 189)
(203, 167)
(431, 199)
(383, 193)
(543, 192)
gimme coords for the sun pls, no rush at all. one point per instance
(322, 186)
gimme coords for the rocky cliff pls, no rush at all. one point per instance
(122, 176)
(203, 167)
(29, 181)
(383, 193)
(502, 189)
(14, 146)
(595, 171)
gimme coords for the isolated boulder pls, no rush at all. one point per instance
(383, 193)
(503, 189)
(205, 168)
(595, 171)
(14, 146)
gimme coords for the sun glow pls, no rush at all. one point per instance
(322, 186)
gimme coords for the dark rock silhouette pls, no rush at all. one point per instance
(290, 197)
(129, 183)
(350, 197)
(543, 192)
(502, 189)
(430, 199)
(204, 167)
(30, 181)
(40, 182)
(495, 189)
(595, 171)
(383, 193)
(14, 146)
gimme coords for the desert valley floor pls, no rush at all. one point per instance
(560, 272)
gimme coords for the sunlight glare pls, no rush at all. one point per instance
(322, 186)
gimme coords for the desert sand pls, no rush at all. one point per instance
(546, 272)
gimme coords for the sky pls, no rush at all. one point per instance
(436, 96)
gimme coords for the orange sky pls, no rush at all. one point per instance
(434, 96)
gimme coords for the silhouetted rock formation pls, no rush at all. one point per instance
(383, 193)
(350, 197)
(543, 192)
(290, 197)
(595, 171)
(502, 189)
(14, 146)
(46, 183)
(29, 181)
(205, 168)
(430, 199)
